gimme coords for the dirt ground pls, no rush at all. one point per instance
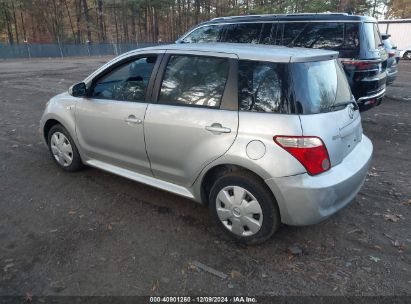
(94, 233)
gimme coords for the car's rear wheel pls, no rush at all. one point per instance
(63, 149)
(407, 55)
(244, 207)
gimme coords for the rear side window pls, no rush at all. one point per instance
(268, 33)
(319, 87)
(260, 87)
(210, 33)
(372, 35)
(243, 33)
(322, 35)
(194, 81)
(291, 32)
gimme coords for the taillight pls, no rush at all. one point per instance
(310, 151)
(391, 54)
(362, 64)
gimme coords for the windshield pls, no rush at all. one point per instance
(319, 87)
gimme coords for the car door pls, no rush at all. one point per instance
(110, 121)
(195, 119)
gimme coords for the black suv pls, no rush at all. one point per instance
(357, 39)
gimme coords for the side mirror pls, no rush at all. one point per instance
(78, 89)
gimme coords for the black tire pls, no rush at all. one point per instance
(76, 163)
(407, 55)
(261, 192)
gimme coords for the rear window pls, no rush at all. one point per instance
(319, 87)
(295, 88)
(372, 35)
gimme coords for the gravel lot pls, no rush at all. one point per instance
(93, 233)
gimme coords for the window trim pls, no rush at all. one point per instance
(229, 99)
(122, 62)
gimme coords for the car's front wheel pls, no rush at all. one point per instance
(407, 55)
(244, 207)
(63, 149)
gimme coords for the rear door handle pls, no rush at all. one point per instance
(131, 119)
(217, 128)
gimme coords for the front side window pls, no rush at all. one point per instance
(194, 80)
(209, 33)
(260, 87)
(127, 82)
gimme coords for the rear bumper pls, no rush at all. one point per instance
(306, 200)
(370, 101)
(391, 75)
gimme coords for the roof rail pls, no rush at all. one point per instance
(241, 16)
(274, 15)
(308, 14)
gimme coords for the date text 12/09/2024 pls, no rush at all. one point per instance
(222, 299)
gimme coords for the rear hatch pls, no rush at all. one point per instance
(326, 107)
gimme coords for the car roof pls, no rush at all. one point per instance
(292, 17)
(250, 51)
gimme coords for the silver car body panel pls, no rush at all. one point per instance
(340, 130)
(173, 147)
(62, 109)
(306, 200)
(178, 142)
(106, 131)
(142, 178)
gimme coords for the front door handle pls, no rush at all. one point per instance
(217, 128)
(131, 119)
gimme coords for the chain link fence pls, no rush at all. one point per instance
(28, 50)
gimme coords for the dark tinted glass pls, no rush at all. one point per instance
(352, 37)
(127, 82)
(319, 86)
(210, 33)
(291, 31)
(324, 35)
(243, 33)
(268, 33)
(260, 87)
(321, 35)
(194, 80)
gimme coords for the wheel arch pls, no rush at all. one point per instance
(47, 127)
(215, 172)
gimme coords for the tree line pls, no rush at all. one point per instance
(125, 21)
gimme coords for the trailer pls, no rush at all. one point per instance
(400, 31)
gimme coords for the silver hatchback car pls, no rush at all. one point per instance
(260, 134)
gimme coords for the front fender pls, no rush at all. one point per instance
(62, 109)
